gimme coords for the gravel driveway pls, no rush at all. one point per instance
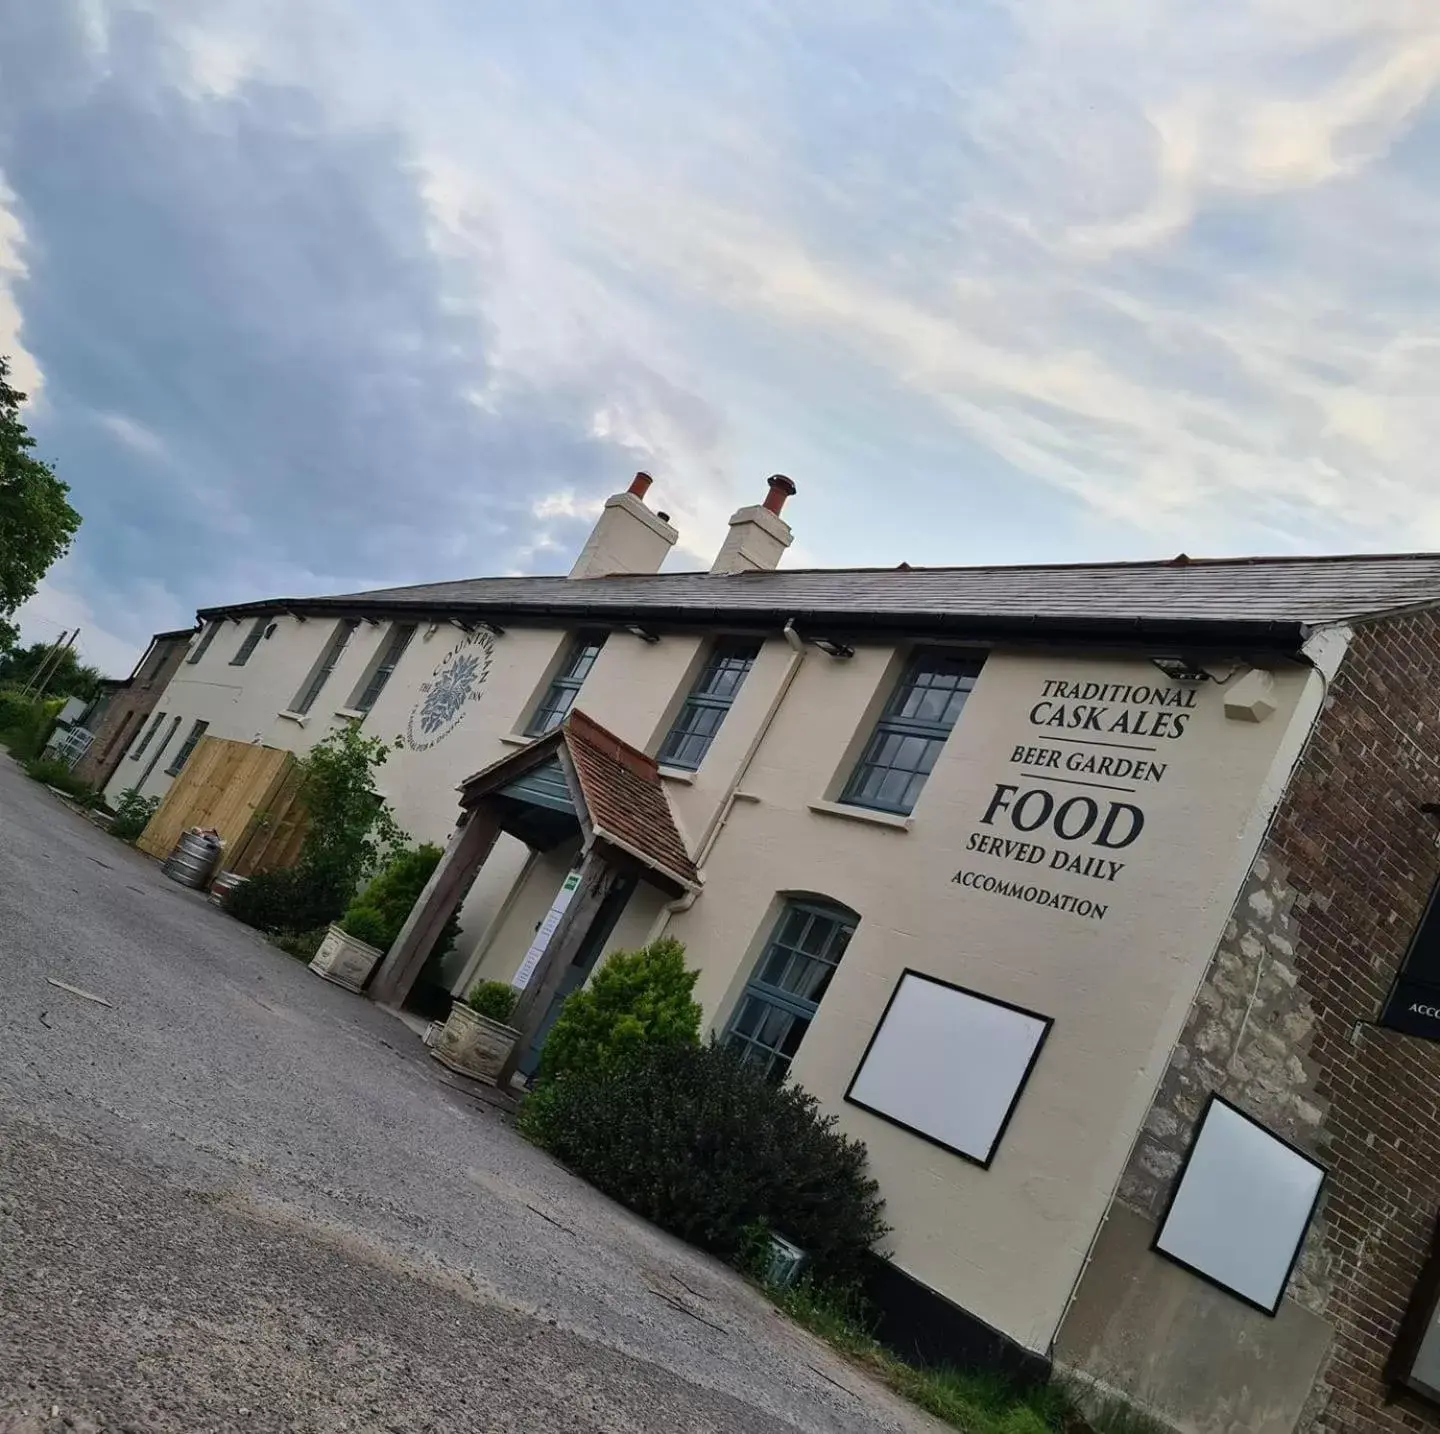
(244, 1199)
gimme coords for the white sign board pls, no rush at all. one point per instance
(1240, 1208)
(948, 1065)
(546, 930)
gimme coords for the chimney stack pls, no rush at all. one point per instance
(627, 537)
(758, 536)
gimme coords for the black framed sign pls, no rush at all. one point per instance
(1414, 1002)
(1240, 1206)
(948, 1064)
(1414, 1365)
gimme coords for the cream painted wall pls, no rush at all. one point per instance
(1006, 1243)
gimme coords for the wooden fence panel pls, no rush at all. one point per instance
(276, 831)
(222, 787)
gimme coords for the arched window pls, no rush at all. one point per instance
(790, 980)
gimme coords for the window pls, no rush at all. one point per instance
(565, 687)
(191, 741)
(394, 650)
(147, 737)
(305, 698)
(699, 720)
(252, 641)
(911, 732)
(159, 751)
(206, 638)
(791, 978)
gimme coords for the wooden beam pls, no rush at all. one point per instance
(597, 877)
(470, 844)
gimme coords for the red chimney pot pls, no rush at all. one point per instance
(640, 485)
(781, 488)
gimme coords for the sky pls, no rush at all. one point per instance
(317, 295)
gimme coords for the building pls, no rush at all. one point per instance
(116, 718)
(1029, 874)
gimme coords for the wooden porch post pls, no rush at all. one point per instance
(596, 879)
(469, 846)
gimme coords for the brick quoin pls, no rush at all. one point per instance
(1315, 940)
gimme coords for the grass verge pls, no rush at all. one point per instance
(973, 1403)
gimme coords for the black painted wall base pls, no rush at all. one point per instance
(926, 1329)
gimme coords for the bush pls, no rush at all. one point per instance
(691, 1138)
(300, 944)
(494, 1000)
(294, 901)
(378, 913)
(132, 815)
(26, 723)
(638, 999)
(58, 774)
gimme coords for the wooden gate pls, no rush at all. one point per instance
(248, 795)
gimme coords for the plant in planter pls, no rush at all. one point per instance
(357, 943)
(476, 1040)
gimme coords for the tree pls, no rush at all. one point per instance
(69, 677)
(36, 518)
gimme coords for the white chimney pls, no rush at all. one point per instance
(758, 536)
(627, 537)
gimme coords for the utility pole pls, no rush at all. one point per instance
(44, 663)
(55, 667)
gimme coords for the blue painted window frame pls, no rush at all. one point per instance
(206, 638)
(688, 741)
(564, 688)
(912, 731)
(251, 641)
(794, 971)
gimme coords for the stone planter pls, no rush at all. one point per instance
(345, 961)
(474, 1045)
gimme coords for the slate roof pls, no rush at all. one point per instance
(624, 798)
(1277, 600)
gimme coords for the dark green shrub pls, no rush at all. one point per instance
(378, 913)
(638, 999)
(132, 815)
(300, 944)
(294, 900)
(704, 1146)
(58, 774)
(494, 1000)
(26, 724)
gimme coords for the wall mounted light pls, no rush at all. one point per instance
(643, 633)
(831, 648)
(1181, 669)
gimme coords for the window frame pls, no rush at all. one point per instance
(198, 729)
(891, 722)
(844, 923)
(206, 638)
(250, 641)
(325, 666)
(373, 683)
(547, 713)
(723, 657)
(147, 736)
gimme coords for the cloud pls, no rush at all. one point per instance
(24, 371)
(328, 294)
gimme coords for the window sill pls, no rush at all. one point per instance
(893, 820)
(678, 774)
(517, 739)
(350, 714)
(299, 718)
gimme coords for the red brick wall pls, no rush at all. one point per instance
(1362, 858)
(126, 715)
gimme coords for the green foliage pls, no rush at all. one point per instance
(64, 674)
(693, 1139)
(350, 830)
(37, 521)
(378, 913)
(132, 815)
(637, 1000)
(300, 944)
(26, 723)
(295, 900)
(58, 775)
(494, 1000)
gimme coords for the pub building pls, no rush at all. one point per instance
(1092, 898)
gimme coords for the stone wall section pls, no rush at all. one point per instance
(1283, 1024)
